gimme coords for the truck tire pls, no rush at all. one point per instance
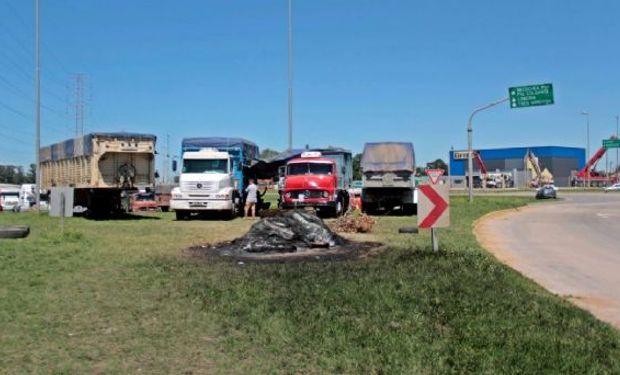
(14, 231)
(182, 214)
(410, 209)
(339, 209)
(369, 208)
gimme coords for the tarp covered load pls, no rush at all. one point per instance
(288, 231)
(388, 157)
(250, 149)
(83, 146)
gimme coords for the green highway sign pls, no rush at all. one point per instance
(529, 96)
(611, 143)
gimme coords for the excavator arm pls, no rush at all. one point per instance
(478, 159)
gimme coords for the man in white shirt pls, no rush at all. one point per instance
(251, 199)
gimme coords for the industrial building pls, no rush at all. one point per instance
(519, 164)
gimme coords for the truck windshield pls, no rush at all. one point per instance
(205, 166)
(309, 168)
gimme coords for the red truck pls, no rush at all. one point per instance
(319, 180)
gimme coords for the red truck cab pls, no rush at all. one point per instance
(312, 181)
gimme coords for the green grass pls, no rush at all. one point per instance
(123, 296)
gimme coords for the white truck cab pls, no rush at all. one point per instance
(206, 183)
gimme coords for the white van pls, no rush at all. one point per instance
(9, 199)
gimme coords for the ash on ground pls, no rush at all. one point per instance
(288, 234)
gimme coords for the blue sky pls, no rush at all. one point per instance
(364, 71)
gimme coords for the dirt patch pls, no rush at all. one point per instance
(350, 250)
(289, 236)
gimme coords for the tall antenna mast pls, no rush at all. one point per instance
(79, 102)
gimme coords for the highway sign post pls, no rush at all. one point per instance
(611, 143)
(530, 96)
(434, 174)
(434, 209)
(519, 97)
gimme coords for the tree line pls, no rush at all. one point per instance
(13, 174)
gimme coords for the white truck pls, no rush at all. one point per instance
(213, 176)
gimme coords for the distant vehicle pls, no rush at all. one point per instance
(614, 187)
(320, 180)
(546, 192)
(388, 182)
(214, 175)
(9, 199)
(143, 202)
(101, 168)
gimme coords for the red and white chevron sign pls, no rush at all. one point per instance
(433, 206)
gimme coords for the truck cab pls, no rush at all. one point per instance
(313, 181)
(207, 182)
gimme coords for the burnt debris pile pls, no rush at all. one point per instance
(285, 232)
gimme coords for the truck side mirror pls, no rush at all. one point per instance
(174, 165)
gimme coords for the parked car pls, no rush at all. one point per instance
(143, 202)
(546, 192)
(614, 187)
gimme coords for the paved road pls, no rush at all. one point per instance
(571, 247)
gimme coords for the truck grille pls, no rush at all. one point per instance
(203, 186)
(307, 194)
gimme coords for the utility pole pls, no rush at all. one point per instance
(79, 81)
(617, 167)
(37, 95)
(290, 75)
(470, 159)
(586, 181)
(166, 161)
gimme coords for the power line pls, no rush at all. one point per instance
(25, 95)
(30, 53)
(16, 151)
(15, 139)
(8, 62)
(49, 126)
(15, 111)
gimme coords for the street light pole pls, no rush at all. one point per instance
(617, 168)
(470, 159)
(586, 181)
(37, 95)
(290, 75)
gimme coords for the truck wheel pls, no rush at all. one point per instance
(369, 208)
(339, 207)
(182, 215)
(410, 209)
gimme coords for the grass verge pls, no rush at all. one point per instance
(115, 296)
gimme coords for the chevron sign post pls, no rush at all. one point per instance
(433, 209)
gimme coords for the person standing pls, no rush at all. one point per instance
(251, 199)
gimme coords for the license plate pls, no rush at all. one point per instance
(198, 204)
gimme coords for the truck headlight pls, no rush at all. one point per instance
(222, 196)
(325, 194)
(177, 196)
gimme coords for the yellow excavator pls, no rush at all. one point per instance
(539, 177)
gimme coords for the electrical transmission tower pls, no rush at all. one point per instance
(80, 103)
